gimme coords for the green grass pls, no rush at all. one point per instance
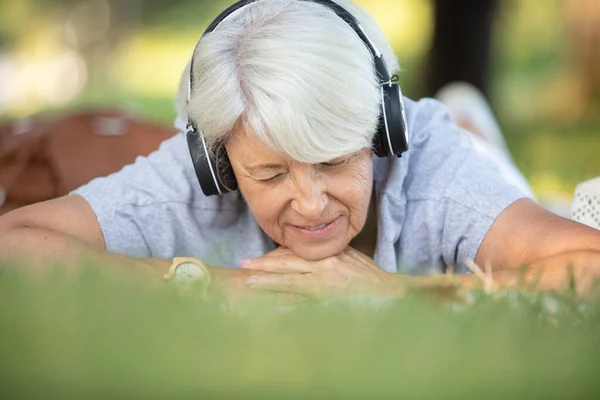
(99, 335)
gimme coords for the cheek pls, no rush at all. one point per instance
(354, 190)
(361, 183)
(266, 205)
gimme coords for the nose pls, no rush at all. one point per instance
(310, 199)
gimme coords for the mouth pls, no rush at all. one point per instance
(317, 231)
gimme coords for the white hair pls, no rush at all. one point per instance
(292, 72)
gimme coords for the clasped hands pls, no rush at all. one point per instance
(285, 278)
(350, 272)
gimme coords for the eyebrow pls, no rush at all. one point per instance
(256, 167)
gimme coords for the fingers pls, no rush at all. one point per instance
(283, 264)
(285, 283)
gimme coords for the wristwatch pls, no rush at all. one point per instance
(189, 273)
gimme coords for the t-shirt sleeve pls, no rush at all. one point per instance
(454, 191)
(139, 207)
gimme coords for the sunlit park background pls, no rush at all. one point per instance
(544, 86)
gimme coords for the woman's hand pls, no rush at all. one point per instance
(228, 285)
(350, 272)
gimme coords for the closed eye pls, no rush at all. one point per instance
(335, 163)
(271, 179)
(330, 164)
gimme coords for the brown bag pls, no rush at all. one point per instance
(48, 158)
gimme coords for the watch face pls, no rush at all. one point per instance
(188, 272)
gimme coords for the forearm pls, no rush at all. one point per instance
(40, 250)
(553, 274)
(556, 273)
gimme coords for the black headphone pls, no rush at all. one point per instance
(214, 170)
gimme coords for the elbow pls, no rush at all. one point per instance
(9, 226)
(6, 223)
(12, 221)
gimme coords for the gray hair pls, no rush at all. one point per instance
(292, 72)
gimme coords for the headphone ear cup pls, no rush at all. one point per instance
(226, 178)
(378, 147)
(392, 133)
(214, 174)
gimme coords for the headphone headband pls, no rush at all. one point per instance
(380, 66)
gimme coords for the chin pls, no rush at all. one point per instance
(318, 251)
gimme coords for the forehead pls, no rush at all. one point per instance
(246, 146)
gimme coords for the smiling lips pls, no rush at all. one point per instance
(317, 231)
(316, 227)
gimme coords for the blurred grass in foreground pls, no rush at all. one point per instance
(100, 335)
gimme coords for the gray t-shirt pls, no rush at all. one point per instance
(435, 204)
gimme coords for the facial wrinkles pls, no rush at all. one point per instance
(360, 180)
(360, 188)
(349, 181)
(270, 201)
(345, 189)
(307, 181)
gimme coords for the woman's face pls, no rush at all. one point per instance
(313, 209)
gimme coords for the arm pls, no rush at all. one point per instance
(555, 273)
(65, 232)
(552, 248)
(528, 246)
(62, 231)
(526, 233)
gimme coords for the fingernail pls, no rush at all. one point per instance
(245, 261)
(253, 280)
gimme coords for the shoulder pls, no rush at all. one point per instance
(165, 177)
(436, 146)
(445, 163)
(155, 204)
(444, 193)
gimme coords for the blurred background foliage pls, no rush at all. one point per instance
(544, 86)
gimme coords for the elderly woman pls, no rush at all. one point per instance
(295, 127)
